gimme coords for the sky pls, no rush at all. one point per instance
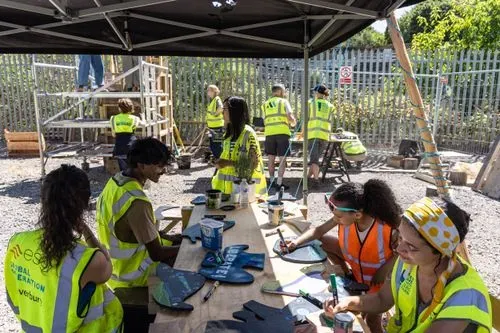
(381, 25)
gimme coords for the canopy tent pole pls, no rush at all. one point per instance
(37, 115)
(305, 112)
(431, 152)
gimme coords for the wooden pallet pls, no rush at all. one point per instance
(23, 144)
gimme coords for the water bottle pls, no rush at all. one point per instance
(244, 194)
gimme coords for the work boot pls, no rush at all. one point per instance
(278, 187)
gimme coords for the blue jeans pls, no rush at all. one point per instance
(216, 141)
(87, 60)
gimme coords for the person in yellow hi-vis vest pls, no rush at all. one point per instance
(432, 288)
(125, 219)
(278, 119)
(318, 127)
(215, 120)
(353, 151)
(123, 127)
(240, 138)
(55, 281)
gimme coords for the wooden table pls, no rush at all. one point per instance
(251, 227)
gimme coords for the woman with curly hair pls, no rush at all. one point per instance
(55, 282)
(432, 288)
(367, 217)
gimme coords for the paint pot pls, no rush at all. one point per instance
(275, 212)
(214, 199)
(184, 161)
(211, 234)
(343, 323)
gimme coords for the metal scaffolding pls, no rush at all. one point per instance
(151, 100)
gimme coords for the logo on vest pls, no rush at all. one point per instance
(406, 282)
(16, 250)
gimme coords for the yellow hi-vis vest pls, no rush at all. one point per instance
(223, 179)
(276, 121)
(465, 298)
(319, 125)
(352, 147)
(131, 262)
(214, 120)
(47, 301)
(124, 123)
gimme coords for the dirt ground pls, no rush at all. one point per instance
(20, 187)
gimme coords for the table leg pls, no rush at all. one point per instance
(327, 159)
(342, 161)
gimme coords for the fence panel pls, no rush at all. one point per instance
(375, 105)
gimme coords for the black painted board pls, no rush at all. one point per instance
(300, 307)
(194, 231)
(175, 287)
(232, 269)
(308, 253)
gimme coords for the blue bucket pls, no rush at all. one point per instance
(211, 234)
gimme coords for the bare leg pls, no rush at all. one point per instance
(271, 167)
(281, 170)
(315, 170)
(331, 246)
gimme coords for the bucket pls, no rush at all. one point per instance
(211, 234)
(275, 212)
(214, 199)
(184, 161)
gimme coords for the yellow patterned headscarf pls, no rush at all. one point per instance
(438, 229)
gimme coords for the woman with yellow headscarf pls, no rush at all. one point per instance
(432, 288)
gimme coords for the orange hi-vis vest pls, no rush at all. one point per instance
(367, 257)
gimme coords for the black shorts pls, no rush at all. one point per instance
(277, 145)
(316, 149)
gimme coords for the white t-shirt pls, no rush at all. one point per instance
(362, 234)
(288, 107)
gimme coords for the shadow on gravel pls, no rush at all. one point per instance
(26, 189)
(187, 172)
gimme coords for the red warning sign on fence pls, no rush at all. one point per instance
(345, 76)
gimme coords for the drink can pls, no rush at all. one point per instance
(343, 323)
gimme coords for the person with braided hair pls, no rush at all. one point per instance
(367, 216)
(123, 127)
(432, 288)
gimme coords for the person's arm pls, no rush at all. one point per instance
(378, 302)
(448, 325)
(100, 268)
(222, 163)
(112, 127)
(289, 114)
(219, 107)
(158, 252)
(142, 223)
(311, 234)
(93, 242)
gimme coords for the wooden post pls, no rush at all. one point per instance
(418, 106)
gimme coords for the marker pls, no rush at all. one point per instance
(271, 233)
(211, 291)
(311, 299)
(283, 241)
(335, 294)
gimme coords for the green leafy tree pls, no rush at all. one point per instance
(468, 24)
(368, 38)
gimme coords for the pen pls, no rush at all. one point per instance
(311, 299)
(333, 283)
(283, 240)
(211, 291)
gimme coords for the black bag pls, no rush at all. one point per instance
(409, 148)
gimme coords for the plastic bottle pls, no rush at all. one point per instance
(244, 194)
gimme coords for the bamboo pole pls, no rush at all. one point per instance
(431, 152)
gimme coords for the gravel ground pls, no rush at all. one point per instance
(20, 187)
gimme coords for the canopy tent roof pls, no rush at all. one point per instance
(222, 28)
